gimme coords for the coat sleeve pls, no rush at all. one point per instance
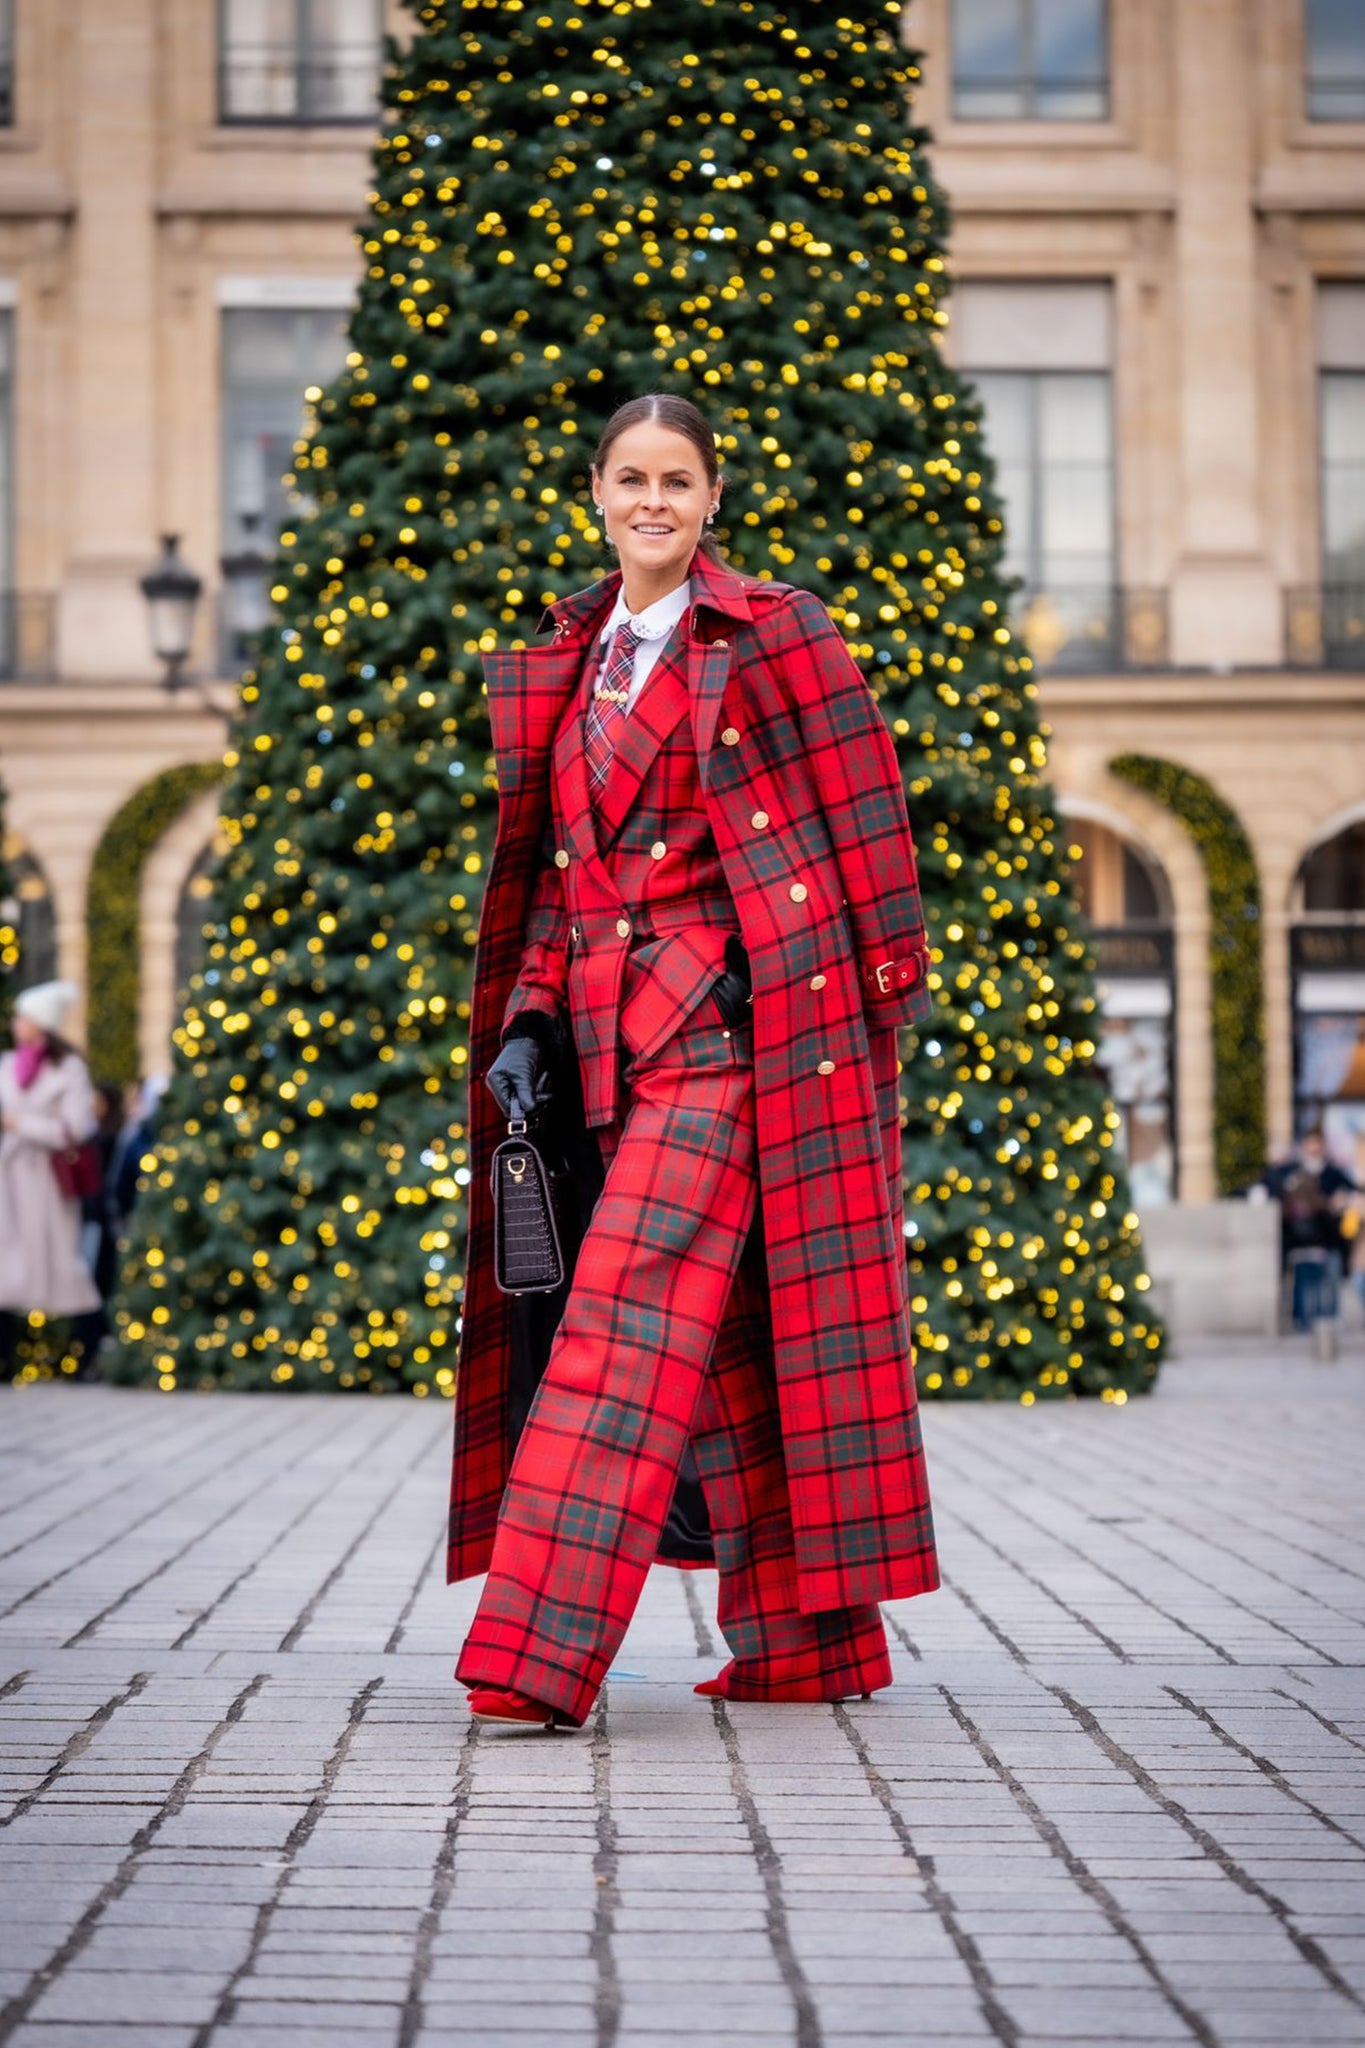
(68, 1119)
(542, 981)
(852, 762)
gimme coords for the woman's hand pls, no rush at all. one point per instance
(521, 1079)
(733, 993)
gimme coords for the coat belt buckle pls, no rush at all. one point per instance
(882, 976)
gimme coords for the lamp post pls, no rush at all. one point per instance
(172, 592)
(245, 577)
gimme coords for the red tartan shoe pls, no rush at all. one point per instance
(492, 1709)
(716, 1689)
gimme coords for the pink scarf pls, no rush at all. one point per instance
(27, 1061)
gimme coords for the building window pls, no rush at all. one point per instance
(9, 622)
(1038, 356)
(193, 933)
(1327, 959)
(298, 60)
(1126, 901)
(1334, 50)
(29, 910)
(1341, 462)
(272, 358)
(6, 63)
(1030, 60)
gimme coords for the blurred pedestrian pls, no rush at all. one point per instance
(99, 1230)
(1312, 1191)
(47, 1120)
(136, 1139)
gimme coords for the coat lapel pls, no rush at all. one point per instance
(660, 706)
(571, 777)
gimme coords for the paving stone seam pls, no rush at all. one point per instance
(1079, 1870)
(707, 1646)
(76, 1745)
(1141, 1480)
(903, 1635)
(1107, 1571)
(399, 1629)
(442, 1887)
(1332, 1727)
(809, 2032)
(1308, 1947)
(1082, 1620)
(217, 1449)
(606, 1870)
(363, 1456)
(1266, 1767)
(997, 2016)
(81, 1503)
(988, 1621)
(405, 1477)
(225, 2012)
(16, 2009)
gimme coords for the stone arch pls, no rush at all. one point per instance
(113, 911)
(28, 912)
(1126, 897)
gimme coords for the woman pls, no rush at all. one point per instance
(46, 1106)
(701, 928)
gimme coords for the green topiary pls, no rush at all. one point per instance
(1239, 1108)
(113, 907)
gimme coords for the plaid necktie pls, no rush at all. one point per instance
(607, 707)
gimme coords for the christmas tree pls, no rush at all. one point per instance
(573, 204)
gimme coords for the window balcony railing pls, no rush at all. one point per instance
(1324, 625)
(264, 83)
(237, 630)
(28, 636)
(1070, 629)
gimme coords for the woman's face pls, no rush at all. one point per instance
(26, 1032)
(655, 496)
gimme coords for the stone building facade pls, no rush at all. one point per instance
(1159, 256)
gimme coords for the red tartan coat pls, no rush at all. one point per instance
(827, 898)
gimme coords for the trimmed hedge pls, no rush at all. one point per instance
(112, 912)
(1239, 1085)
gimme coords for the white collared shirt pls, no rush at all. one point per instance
(652, 627)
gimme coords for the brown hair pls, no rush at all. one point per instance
(666, 409)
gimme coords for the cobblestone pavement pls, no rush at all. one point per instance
(1117, 1793)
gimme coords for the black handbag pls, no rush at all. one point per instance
(528, 1252)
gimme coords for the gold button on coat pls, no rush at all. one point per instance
(825, 1067)
(561, 858)
(759, 820)
(817, 981)
(657, 850)
(729, 738)
(799, 892)
(623, 927)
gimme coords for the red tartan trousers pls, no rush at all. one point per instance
(664, 1339)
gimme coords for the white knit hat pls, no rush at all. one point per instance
(47, 1003)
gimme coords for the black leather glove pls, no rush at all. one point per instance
(733, 992)
(521, 1078)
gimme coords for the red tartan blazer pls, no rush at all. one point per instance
(807, 812)
(635, 873)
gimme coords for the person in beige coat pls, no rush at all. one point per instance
(46, 1104)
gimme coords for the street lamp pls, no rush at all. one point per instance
(172, 592)
(246, 577)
